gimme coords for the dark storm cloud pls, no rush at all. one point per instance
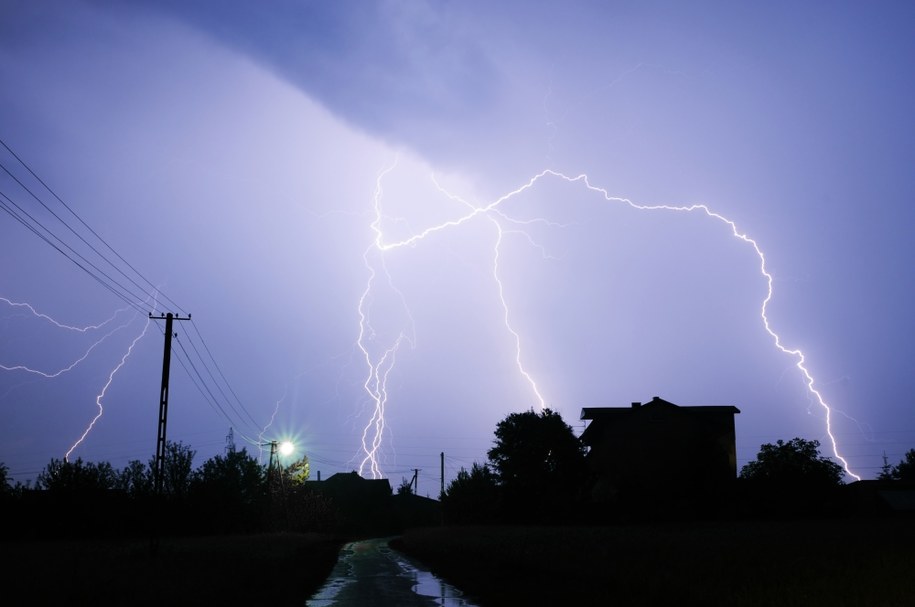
(402, 70)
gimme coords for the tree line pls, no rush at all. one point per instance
(536, 473)
(230, 493)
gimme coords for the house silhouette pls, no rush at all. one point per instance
(361, 505)
(366, 506)
(659, 455)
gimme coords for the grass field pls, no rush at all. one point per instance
(273, 569)
(800, 563)
(839, 563)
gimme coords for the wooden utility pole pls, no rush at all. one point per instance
(158, 473)
(441, 496)
(273, 465)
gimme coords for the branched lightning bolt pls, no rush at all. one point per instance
(506, 317)
(101, 395)
(380, 366)
(379, 358)
(261, 441)
(86, 329)
(494, 215)
(276, 408)
(798, 356)
(45, 317)
(75, 363)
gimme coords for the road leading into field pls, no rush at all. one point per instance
(369, 573)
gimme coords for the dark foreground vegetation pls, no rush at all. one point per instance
(257, 569)
(535, 525)
(840, 562)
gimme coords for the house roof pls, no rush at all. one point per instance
(353, 478)
(655, 404)
(604, 417)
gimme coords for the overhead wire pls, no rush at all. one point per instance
(86, 225)
(208, 393)
(74, 232)
(221, 374)
(131, 301)
(123, 292)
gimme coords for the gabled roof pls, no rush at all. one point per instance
(351, 482)
(655, 404)
(353, 479)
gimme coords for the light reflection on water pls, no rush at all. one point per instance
(425, 583)
(369, 569)
(340, 578)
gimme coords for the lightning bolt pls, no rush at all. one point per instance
(379, 359)
(45, 317)
(494, 215)
(101, 395)
(86, 329)
(800, 360)
(80, 329)
(381, 364)
(261, 441)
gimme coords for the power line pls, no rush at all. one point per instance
(75, 233)
(84, 224)
(118, 293)
(124, 292)
(221, 374)
(203, 386)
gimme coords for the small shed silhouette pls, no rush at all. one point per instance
(362, 504)
(349, 486)
(660, 453)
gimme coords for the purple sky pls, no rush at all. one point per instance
(262, 167)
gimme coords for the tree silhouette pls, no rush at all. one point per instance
(472, 497)
(797, 462)
(236, 472)
(71, 476)
(405, 487)
(6, 488)
(886, 470)
(229, 491)
(297, 472)
(905, 469)
(177, 469)
(539, 465)
(135, 479)
(790, 479)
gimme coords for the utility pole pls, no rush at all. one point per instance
(415, 481)
(158, 473)
(885, 470)
(272, 465)
(230, 442)
(441, 496)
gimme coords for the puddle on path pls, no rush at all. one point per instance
(368, 573)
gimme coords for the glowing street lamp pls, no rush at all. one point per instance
(277, 448)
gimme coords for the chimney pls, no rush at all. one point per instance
(636, 404)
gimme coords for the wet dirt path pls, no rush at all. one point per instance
(369, 572)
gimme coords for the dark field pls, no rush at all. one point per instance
(800, 563)
(280, 569)
(804, 563)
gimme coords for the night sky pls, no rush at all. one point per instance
(383, 205)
